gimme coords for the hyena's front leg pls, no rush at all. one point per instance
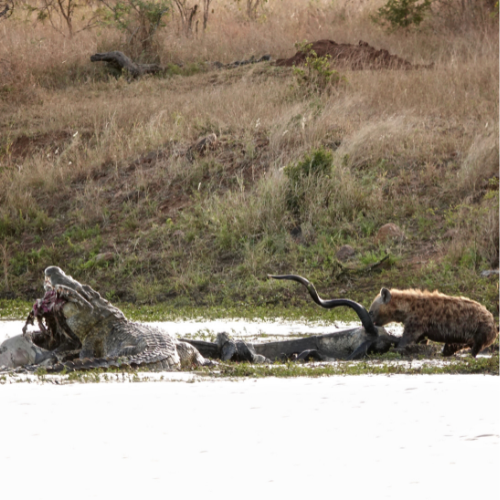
(411, 333)
(450, 349)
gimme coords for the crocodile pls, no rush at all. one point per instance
(102, 334)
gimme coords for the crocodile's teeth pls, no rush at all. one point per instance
(47, 284)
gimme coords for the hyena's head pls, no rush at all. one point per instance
(380, 310)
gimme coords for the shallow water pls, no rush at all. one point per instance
(235, 327)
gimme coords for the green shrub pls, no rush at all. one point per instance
(475, 244)
(318, 162)
(315, 165)
(396, 14)
(318, 75)
(139, 19)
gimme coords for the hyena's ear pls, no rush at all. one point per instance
(386, 295)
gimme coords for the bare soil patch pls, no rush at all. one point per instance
(361, 56)
(220, 169)
(24, 145)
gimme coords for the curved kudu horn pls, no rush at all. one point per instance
(362, 313)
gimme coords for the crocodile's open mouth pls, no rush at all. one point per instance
(51, 302)
(47, 312)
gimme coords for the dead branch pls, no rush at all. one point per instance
(120, 61)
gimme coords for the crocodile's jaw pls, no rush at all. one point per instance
(77, 322)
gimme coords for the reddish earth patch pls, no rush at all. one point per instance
(361, 56)
(52, 143)
(26, 145)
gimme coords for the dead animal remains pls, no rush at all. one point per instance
(349, 344)
(356, 343)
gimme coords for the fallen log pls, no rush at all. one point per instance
(120, 61)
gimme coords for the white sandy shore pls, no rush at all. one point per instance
(398, 437)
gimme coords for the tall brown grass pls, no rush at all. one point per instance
(32, 53)
(405, 143)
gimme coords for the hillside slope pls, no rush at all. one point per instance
(102, 178)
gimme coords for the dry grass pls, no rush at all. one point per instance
(411, 147)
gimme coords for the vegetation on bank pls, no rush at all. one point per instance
(238, 371)
(486, 366)
(178, 310)
(100, 181)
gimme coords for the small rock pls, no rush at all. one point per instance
(450, 234)
(491, 272)
(388, 232)
(345, 252)
(105, 257)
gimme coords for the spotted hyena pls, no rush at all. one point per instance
(457, 321)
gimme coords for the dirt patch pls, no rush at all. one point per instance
(361, 56)
(24, 146)
(233, 160)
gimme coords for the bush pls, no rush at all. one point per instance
(318, 76)
(139, 19)
(396, 14)
(315, 165)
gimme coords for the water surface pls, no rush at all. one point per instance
(235, 327)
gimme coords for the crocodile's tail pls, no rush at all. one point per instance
(154, 361)
(362, 313)
(87, 364)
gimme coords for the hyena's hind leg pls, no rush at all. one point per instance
(485, 336)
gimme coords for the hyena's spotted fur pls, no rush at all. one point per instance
(457, 321)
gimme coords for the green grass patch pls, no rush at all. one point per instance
(237, 371)
(14, 309)
(484, 366)
(177, 310)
